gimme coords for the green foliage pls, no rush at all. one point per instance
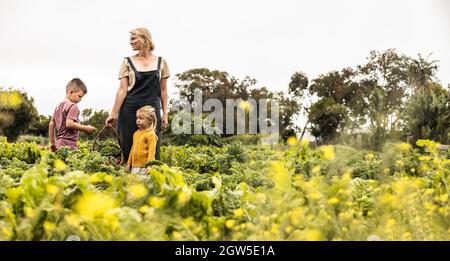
(326, 118)
(295, 193)
(427, 114)
(17, 113)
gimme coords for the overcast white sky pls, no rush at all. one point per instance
(45, 43)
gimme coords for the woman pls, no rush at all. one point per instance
(143, 81)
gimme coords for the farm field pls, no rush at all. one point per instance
(234, 192)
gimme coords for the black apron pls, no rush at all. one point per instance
(146, 91)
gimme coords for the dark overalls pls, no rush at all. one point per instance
(146, 91)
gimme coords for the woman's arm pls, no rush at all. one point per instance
(120, 97)
(164, 98)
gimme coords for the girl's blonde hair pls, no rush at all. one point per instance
(150, 114)
(143, 34)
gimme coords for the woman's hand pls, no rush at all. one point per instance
(110, 120)
(164, 121)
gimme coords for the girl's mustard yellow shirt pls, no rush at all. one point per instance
(143, 149)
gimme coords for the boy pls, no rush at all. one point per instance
(65, 118)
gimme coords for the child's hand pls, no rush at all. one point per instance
(90, 128)
(53, 147)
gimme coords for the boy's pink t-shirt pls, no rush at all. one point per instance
(65, 136)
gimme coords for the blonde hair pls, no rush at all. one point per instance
(143, 34)
(150, 114)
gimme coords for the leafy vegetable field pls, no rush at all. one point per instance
(233, 192)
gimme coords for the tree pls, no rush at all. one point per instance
(326, 117)
(17, 112)
(427, 114)
(222, 86)
(298, 89)
(96, 119)
(39, 126)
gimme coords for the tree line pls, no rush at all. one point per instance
(390, 97)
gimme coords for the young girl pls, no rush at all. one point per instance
(144, 140)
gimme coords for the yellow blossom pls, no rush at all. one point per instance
(6, 232)
(291, 141)
(288, 229)
(315, 170)
(137, 191)
(443, 197)
(29, 212)
(404, 147)
(328, 152)
(370, 156)
(176, 235)
(93, 205)
(183, 197)
(52, 189)
(59, 165)
(156, 202)
(49, 226)
(313, 235)
(10, 213)
(108, 179)
(72, 219)
(230, 223)
(238, 212)
(143, 209)
(333, 201)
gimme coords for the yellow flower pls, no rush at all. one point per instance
(72, 219)
(238, 212)
(443, 197)
(52, 189)
(10, 99)
(328, 152)
(183, 197)
(143, 209)
(49, 226)
(315, 170)
(296, 216)
(404, 147)
(10, 213)
(370, 156)
(95, 178)
(313, 235)
(93, 205)
(399, 163)
(108, 179)
(391, 222)
(176, 235)
(137, 191)
(288, 229)
(156, 202)
(6, 232)
(333, 201)
(315, 195)
(230, 223)
(281, 176)
(291, 141)
(424, 158)
(59, 165)
(29, 212)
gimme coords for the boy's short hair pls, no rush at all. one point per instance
(76, 84)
